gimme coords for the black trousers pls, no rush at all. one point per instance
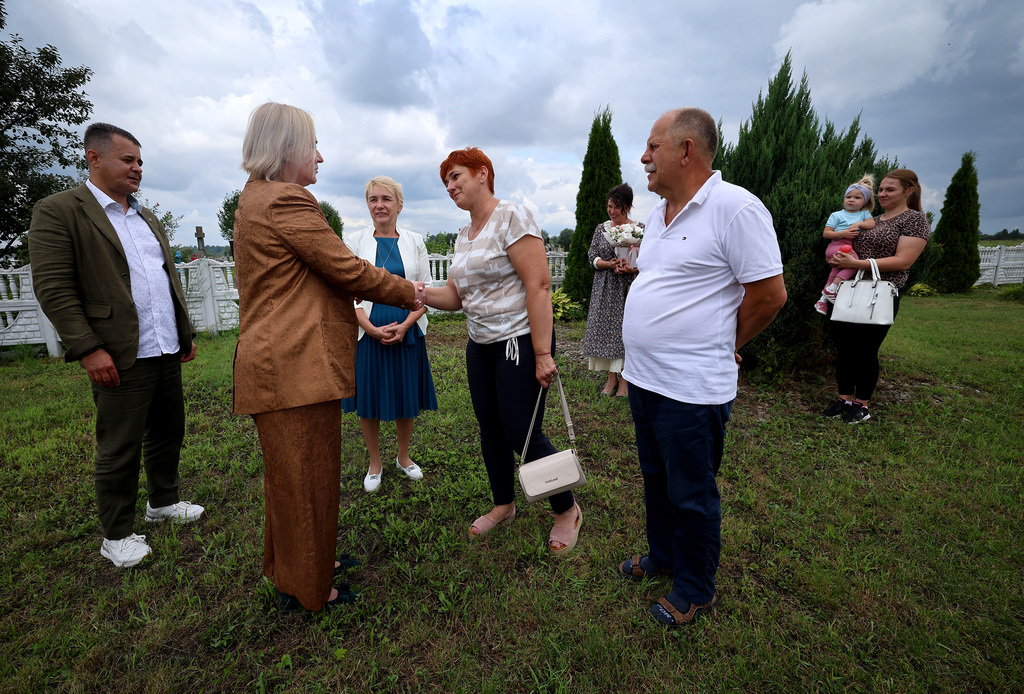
(143, 418)
(857, 355)
(504, 395)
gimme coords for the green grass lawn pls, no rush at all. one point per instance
(881, 557)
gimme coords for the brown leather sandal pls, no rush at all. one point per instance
(631, 569)
(666, 614)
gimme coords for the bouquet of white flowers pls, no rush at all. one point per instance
(626, 238)
(626, 235)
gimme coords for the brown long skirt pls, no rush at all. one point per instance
(301, 481)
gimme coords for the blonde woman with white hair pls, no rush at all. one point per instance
(393, 381)
(296, 348)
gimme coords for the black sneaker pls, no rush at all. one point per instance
(835, 409)
(856, 414)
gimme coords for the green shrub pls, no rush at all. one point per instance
(921, 289)
(957, 232)
(601, 171)
(1013, 292)
(564, 308)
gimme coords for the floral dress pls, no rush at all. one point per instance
(602, 342)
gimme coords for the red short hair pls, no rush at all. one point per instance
(473, 159)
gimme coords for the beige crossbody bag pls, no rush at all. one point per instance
(556, 473)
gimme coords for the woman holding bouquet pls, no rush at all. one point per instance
(613, 255)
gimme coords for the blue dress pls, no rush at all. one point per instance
(392, 381)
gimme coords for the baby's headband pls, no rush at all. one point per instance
(863, 191)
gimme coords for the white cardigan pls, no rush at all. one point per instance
(414, 257)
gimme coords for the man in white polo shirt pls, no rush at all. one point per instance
(103, 274)
(710, 280)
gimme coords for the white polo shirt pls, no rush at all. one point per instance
(680, 317)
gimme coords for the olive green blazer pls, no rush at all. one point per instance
(81, 278)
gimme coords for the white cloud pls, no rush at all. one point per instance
(852, 49)
(394, 85)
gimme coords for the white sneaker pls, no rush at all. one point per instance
(181, 512)
(413, 472)
(371, 482)
(126, 552)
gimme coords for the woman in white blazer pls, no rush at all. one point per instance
(393, 380)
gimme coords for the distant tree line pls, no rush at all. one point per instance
(1004, 235)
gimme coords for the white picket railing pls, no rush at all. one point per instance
(22, 322)
(1001, 265)
(439, 268)
(210, 292)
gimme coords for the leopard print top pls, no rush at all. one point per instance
(881, 241)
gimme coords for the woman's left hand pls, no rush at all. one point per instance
(546, 369)
(396, 334)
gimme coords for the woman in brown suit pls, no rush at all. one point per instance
(295, 358)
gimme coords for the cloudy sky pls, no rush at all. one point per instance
(394, 85)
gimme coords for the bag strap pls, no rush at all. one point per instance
(876, 275)
(565, 411)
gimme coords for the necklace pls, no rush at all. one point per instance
(473, 233)
(390, 250)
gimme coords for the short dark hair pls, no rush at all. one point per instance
(622, 195)
(698, 125)
(98, 136)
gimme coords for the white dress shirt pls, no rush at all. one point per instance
(151, 285)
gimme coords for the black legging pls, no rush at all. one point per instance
(857, 355)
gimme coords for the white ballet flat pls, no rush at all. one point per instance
(371, 482)
(413, 472)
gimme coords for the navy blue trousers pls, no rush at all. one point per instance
(680, 448)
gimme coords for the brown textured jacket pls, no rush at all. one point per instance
(296, 282)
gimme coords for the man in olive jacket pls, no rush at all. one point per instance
(103, 274)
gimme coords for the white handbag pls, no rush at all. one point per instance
(863, 300)
(556, 473)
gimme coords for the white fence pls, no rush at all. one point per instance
(1001, 265)
(22, 322)
(210, 292)
(439, 268)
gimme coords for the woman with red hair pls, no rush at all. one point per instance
(499, 278)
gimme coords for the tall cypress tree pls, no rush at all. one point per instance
(799, 169)
(959, 266)
(601, 172)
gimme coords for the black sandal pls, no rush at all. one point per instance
(290, 603)
(345, 562)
